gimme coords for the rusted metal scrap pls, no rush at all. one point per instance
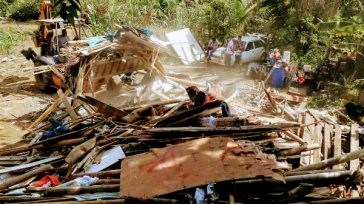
(192, 164)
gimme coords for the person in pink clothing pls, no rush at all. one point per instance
(276, 55)
(229, 51)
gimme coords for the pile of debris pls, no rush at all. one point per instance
(172, 152)
(264, 146)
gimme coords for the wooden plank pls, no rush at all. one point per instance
(301, 119)
(306, 136)
(191, 164)
(69, 108)
(104, 108)
(337, 144)
(317, 138)
(327, 141)
(354, 145)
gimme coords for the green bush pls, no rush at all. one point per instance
(3, 7)
(25, 10)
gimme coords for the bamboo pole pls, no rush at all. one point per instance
(7, 183)
(26, 148)
(305, 178)
(74, 190)
(333, 161)
(294, 137)
(100, 174)
(298, 150)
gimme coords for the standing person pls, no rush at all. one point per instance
(229, 51)
(291, 75)
(278, 76)
(239, 50)
(50, 47)
(211, 48)
(62, 39)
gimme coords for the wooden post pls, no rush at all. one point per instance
(307, 138)
(317, 138)
(354, 145)
(231, 199)
(337, 144)
(300, 131)
(327, 141)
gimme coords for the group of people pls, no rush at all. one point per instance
(284, 74)
(234, 46)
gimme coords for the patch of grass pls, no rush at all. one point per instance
(337, 94)
(325, 100)
(9, 39)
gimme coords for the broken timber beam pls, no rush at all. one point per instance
(103, 108)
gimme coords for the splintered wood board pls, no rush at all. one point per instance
(191, 164)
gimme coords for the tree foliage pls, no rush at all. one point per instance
(69, 9)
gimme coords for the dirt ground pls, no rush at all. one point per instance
(20, 101)
(18, 97)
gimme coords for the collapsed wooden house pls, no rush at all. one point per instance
(168, 151)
